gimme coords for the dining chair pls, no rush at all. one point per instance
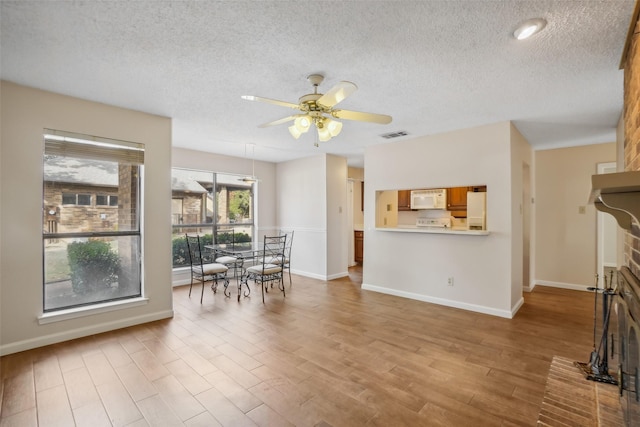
(202, 269)
(287, 254)
(265, 272)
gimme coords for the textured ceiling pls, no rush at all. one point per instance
(434, 66)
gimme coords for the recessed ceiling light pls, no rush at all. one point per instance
(529, 27)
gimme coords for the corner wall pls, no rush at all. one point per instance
(417, 266)
(25, 113)
(311, 201)
(521, 164)
(302, 207)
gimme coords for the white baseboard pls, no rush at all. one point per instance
(41, 341)
(529, 288)
(441, 301)
(561, 285)
(516, 307)
(180, 278)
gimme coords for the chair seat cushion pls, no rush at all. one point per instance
(268, 269)
(277, 261)
(213, 268)
(226, 260)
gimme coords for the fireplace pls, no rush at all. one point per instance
(628, 316)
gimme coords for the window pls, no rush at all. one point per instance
(91, 255)
(76, 199)
(106, 200)
(219, 206)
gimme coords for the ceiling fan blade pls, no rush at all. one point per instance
(280, 121)
(270, 101)
(363, 117)
(337, 94)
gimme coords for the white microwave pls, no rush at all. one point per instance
(435, 198)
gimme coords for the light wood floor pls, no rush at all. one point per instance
(329, 354)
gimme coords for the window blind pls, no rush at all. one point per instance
(67, 144)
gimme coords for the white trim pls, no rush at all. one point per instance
(41, 341)
(529, 288)
(516, 307)
(90, 310)
(338, 275)
(561, 285)
(601, 217)
(440, 301)
(311, 275)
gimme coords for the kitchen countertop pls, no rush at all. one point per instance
(434, 230)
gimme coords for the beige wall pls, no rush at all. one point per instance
(24, 113)
(565, 239)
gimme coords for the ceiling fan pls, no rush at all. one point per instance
(319, 109)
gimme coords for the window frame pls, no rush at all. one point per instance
(213, 227)
(135, 160)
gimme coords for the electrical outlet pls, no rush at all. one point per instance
(450, 281)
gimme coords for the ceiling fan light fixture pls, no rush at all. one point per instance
(294, 131)
(529, 27)
(319, 110)
(334, 127)
(302, 123)
(324, 134)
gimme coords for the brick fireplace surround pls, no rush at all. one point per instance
(632, 137)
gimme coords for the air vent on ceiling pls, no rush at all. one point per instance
(394, 134)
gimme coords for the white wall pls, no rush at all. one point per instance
(302, 206)
(418, 265)
(338, 228)
(25, 112)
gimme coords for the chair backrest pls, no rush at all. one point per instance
(287, 249)
(194, 250)
(229, 236)
(274, 249)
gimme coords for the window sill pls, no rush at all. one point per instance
(73, 313)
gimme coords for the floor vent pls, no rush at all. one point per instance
(394, 134)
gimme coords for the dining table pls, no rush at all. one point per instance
(245, 253)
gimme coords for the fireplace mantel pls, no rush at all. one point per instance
(617, 194)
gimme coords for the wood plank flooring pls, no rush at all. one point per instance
(329, 354)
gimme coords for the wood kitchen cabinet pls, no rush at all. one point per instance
(457, 199)
(358, 246)
(404, 200)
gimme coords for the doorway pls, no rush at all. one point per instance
(607, 232)
(350, 219)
